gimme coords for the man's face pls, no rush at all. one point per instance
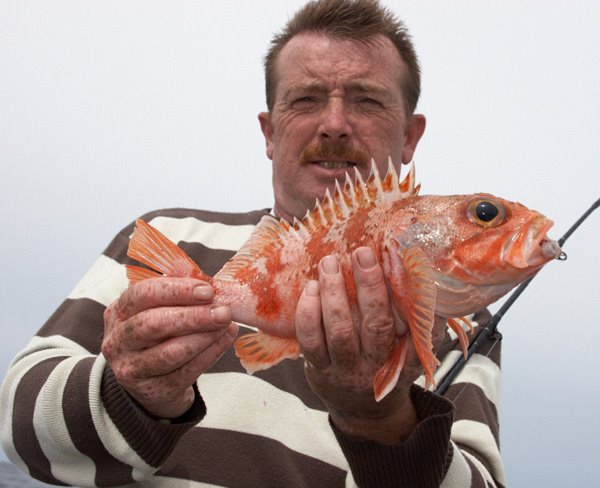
(338, 104)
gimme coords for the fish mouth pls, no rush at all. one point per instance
(531, 247)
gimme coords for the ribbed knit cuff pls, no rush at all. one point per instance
(420, 461)
(152, 439)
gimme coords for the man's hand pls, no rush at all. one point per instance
(160, 335)
(344, 350)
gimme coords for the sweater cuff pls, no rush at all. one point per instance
(419, 461)
(152, 439)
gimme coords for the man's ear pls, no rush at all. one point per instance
(414, 131)
(264, 118)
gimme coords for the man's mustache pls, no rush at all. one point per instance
(334, 152)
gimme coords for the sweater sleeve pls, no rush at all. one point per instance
(455, 443)
(417, 462)
(64, 418)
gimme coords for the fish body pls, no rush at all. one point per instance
(441, 255)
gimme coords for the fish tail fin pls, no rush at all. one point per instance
(258, 350)
(387, 375)
(152, 248)
(460, 332)
(136, 274)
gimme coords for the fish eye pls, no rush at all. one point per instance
(486, 212)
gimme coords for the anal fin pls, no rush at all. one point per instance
(258, 350)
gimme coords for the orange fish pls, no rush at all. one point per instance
(441, 255)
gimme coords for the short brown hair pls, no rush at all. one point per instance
(351, 19)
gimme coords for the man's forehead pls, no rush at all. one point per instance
(307, 52)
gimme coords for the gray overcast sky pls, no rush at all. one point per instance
(112, 108)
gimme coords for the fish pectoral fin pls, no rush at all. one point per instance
(259, 350)
(387, 375)
(137, 273)
(415, 295)
(152, 248)
(454, 324)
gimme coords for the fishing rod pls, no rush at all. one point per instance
(490, 327)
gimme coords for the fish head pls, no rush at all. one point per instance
(496, 241)
(478, 246)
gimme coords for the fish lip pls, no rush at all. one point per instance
(531, 247)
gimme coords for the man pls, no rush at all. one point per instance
(139, 384)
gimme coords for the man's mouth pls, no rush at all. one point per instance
(334, 164)
(334, 156)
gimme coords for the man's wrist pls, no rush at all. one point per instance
(391, 423)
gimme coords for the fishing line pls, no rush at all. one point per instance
(489, 330)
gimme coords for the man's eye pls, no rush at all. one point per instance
(305, 100)
(370, 101)
(305, 104)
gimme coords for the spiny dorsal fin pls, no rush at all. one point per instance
(360, 194)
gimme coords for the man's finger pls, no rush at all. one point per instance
(377, 324)
(172, 354)
(340, 331)
(162, 292)
(309, 326)
(153, 326)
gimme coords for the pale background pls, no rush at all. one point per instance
(112, 108)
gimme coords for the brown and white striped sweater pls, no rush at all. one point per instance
(65, 420)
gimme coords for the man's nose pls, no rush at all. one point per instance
(334, 121)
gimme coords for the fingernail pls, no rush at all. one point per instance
(203, 292)
(232, 331)
(330, 265)
(221, 314)
(365, 257)
(312, 288)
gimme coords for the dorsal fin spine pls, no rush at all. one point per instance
(301, 228)
(390, 184)
(331, 214)
(376, 191)
(309, 221)
(362, 194)
(350, 193)
(318, 213)
(407, 185)
(341, 200)
(285, 224)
